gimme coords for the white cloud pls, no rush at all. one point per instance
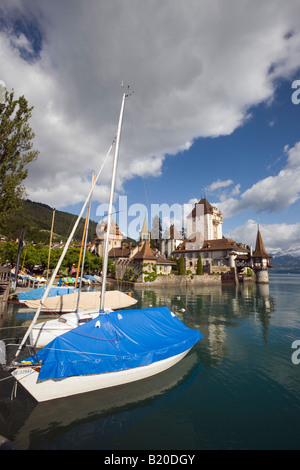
(219, 184)
(271, 194)
(278, 238)
(21, 42)
(236, 190)
(195, 67)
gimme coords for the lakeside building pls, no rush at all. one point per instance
(206, 219)
(170, 241)
(261, 260)
(142, 266)
(115, 238)
(218, 253)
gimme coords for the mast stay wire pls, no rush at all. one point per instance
(63, 254)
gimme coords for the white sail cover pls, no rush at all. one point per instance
(89, 301)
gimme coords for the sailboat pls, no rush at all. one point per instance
(89, 301)
(74, 306)
(44, 332)
(112, 349)
(67, 299)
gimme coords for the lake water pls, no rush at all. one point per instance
(237, 389)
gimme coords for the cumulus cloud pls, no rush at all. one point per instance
(195, 67)
(278, 238)
(271, 194)
(219, 184)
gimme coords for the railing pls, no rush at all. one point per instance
(5, 273)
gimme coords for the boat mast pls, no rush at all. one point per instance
(83, 249)
(112, 188)
(50, 243)
(37, 313)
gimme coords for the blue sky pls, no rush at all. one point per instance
(253, 152)
(211, 111)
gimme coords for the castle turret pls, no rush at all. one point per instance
(261, 260)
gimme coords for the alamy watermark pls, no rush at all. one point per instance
(296, 93)
(188, 220)
(296, 354)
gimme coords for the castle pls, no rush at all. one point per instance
(205, 238)
(218, 253)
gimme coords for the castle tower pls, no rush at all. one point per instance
(170, 241)
(207, 219)
(115, 238)
(261, 261)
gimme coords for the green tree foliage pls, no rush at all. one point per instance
(36, 219)
(181, 266)
(199, 265)
(32, 255)
(8, 252)
(15, 152)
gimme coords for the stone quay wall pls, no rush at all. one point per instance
(182, 281)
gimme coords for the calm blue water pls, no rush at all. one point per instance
(237, 389)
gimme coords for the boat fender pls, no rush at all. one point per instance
(97, 325)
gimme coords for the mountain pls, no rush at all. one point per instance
(286, 264)
(36, 219)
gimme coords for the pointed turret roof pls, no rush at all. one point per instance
(260, 251)
(145, 227)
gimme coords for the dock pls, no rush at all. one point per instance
(5, 283)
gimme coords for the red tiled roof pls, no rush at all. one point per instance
(119, 253)
(213, 245)
(145, 253)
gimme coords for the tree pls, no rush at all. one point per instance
(15, 152)
(181, 266)
(199, 265)
(8, 252)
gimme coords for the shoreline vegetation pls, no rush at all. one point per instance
(36, 220)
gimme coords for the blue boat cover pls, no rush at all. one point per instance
(35, 294)
(91, 278)
(116, 341)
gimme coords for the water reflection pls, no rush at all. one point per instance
(217, 311)
(213, 309)
(39, 421)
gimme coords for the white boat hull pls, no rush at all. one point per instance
(42, 333)
(59, 388)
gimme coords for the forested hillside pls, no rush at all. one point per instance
(36, 219)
